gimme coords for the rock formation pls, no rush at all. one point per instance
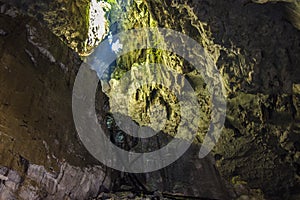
(41, 155)
(255, 46)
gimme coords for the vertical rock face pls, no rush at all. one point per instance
(79, 23)
(42, 155)
(67, 19)
(257, 53)
(255, 49)
(292, 10)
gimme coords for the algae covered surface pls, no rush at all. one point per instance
(257, 53)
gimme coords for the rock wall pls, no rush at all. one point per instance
(81, 24)
(41, 156)
(256, 51)
(255, 47)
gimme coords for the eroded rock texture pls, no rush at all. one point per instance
(255, 46)
(42, 155)
(80, 24)
(37, 183)
(256, 50)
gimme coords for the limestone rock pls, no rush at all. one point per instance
(257, 53)
(42, 155)
(70, 182)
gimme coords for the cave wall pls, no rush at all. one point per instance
(255, 47)
(41, 155)
(80, 24)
